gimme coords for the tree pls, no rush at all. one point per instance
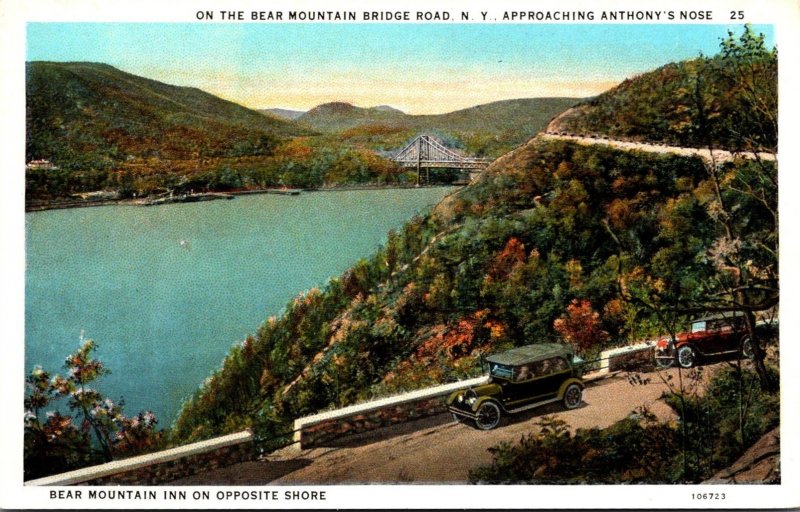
(581, 326)
(63, 442)
(744, 194)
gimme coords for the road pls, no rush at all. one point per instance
(436, 449)
(719, 155)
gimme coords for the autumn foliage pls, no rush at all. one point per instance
(581, 326)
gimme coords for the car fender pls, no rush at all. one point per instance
(482, 391)
(483, 399)
(452, 397)
(567, 383)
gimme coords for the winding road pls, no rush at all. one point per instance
(717, 155)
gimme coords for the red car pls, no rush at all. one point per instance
(710, 336)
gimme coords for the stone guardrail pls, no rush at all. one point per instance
(161, 467)
(336, 424)
(340, 423)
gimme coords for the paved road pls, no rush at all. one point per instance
(719, 155)
(434, 450)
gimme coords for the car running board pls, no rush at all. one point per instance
(712, 354)
(531, 406)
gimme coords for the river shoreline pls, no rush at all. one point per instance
(68, 204)
(166, 291)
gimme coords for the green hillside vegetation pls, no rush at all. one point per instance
(642, 241)
(485, 130)
(339, 116)
(709, 101)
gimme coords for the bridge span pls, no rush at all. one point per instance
(427, 152)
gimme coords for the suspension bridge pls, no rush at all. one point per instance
(426, 152)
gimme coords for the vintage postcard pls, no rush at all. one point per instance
(400, 255)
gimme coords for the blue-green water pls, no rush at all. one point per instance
(165, 291)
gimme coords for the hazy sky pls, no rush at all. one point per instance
(420, 69)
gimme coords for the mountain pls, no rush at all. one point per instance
(340, 116)
(283, 113)
(387, 108)
(83, 115)
(603, 239)
(483, 130)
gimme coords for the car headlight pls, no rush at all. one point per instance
(471, 400)
(460, 398)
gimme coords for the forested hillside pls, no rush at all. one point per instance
(104, 129)
(729, 100)
(631, 242)
(87, 115)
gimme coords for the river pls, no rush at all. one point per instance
(165, 291)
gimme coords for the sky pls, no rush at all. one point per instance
(418, 68)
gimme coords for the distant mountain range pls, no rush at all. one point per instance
(490, 129)
(496, 116)
(283, 113)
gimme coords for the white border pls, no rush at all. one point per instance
(784, 14)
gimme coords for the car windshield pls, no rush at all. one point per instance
(500, 370)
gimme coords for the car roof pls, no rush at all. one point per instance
(530, 353)
(720, 316)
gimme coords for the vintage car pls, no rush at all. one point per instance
(711, 336)
(519, 379)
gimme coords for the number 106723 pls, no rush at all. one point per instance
(708, 496)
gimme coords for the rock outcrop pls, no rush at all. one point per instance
(760, 464)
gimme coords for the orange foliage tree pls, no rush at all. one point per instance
(581, 325)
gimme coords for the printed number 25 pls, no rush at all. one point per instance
(737, 15)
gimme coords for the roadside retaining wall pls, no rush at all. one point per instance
(340, 423)
(162, 467)
(639, 357)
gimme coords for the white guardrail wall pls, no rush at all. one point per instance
(163, 466)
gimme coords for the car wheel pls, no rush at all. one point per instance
(747, 348)
(573, 396)
(663, 362)
(488, 416)
(686, 357)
